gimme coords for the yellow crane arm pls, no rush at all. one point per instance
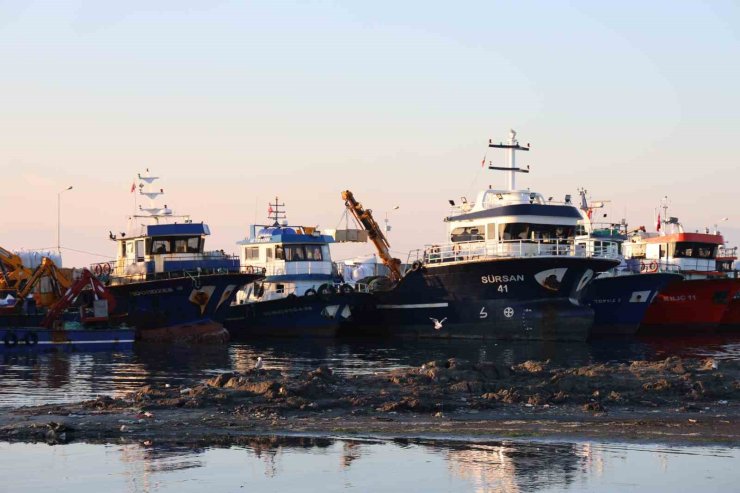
(365, 218)
(47, 268)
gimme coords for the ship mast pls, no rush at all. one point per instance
(274, 213)
(150, 191)
(512, 146)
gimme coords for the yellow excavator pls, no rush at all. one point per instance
(12, 270)
(365, 218)
(22, 281)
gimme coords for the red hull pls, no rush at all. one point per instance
(731, 320)
(690, 305)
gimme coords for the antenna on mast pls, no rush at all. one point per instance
(512, 145)
(274, 213)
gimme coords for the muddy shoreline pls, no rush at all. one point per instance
(687, 401)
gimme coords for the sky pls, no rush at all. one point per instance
(235, 102)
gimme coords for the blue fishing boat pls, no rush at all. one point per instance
(620, 297)
(301, 294)
(164, 281)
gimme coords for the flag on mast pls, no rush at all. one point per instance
(658, 225)
(483, 163)
(133, 187)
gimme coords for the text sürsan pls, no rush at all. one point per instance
(494, 279)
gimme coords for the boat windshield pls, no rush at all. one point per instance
(299, 253)
(692, 249)
(533, 231)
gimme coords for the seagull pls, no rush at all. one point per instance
(437, 323)
(258, 364)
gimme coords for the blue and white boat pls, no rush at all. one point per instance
(166, 284)
(619, 297)
(301, 293)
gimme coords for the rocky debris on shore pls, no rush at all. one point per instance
(442, 388)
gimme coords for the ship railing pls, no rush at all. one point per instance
(479, 250)
(725, 251)
(290, 268)
(125, 271)
(647, 266)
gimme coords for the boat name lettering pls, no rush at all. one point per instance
(682, 297)
(491, 279)
(606, 300)
(152, 291)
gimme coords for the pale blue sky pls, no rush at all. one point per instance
(234, 102)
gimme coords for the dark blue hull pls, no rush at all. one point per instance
(620, 302)
(77, 339)
(303, 316)
(509, 298)
(168, 304)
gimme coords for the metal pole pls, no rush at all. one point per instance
(59, 218)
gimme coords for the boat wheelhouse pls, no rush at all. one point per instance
(692, 254)
(160, 244)
(295, 260)
(514, 223)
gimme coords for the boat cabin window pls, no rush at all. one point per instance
(692, 249)
(279, 252)
(252, 253)
(268, 252)
(280, 288)
(532, 231)
(313, 252)
(468, 233)
(161, 246)
(300, 253)
(174, 244)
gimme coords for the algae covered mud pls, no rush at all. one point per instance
(686, 400)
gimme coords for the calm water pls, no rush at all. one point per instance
(27, 378)
(327, 465)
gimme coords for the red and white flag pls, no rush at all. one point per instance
(269, 209)
(483, 163)
(657, 226)
(133, 187)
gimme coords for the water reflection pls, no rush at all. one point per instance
(30, 378)
(310, 463)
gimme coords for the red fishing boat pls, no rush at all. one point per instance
(701, 300)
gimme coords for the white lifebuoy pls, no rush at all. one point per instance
(643, 266)
(653, 267)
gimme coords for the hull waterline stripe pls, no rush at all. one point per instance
(418, 305)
